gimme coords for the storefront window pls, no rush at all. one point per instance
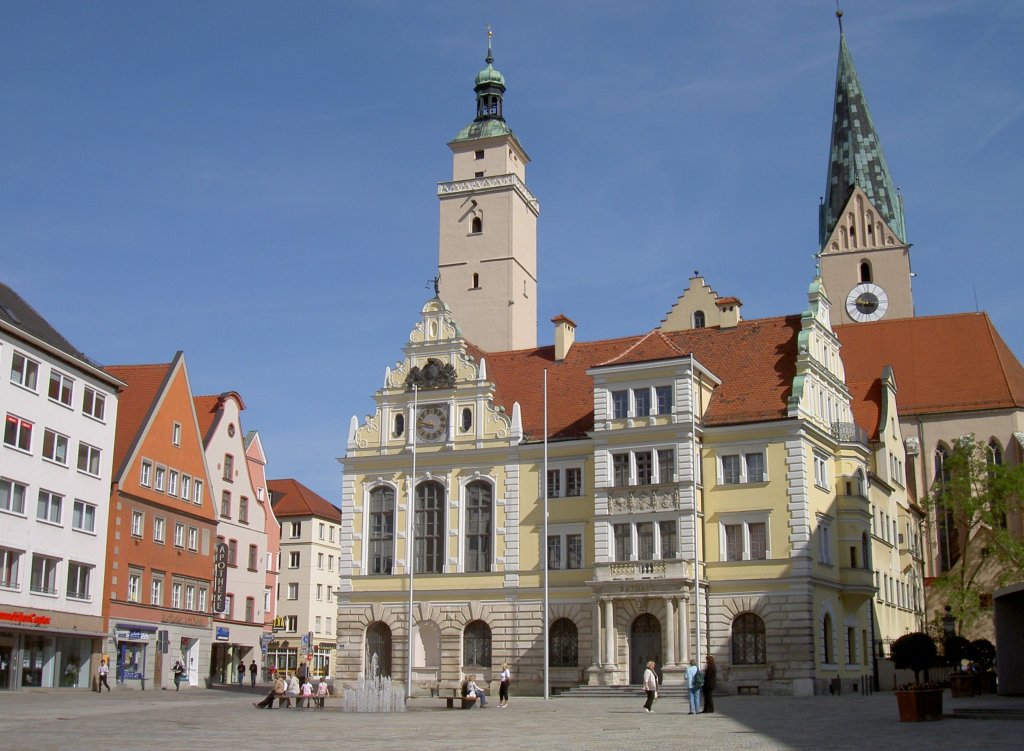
(32, 662)
(131, 661)
(75, 663)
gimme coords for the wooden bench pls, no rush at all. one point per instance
(301, 701)
(451, 695)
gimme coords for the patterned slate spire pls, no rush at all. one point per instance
(855, 156)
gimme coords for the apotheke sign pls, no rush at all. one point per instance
(220, 577)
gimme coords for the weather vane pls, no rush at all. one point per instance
(437, 284)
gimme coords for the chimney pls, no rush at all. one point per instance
(565, 336)
(729, 312)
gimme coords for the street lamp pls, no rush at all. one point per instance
(948, 623)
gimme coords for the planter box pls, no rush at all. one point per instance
(986, 683)
(920, 705)
(963, 684)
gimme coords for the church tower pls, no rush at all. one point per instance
(864, 254)
(487, 256)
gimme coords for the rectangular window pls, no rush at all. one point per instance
(232, 552)
(146, 473)
(317, 621)
(193, 539)
(55, 446)
(623, 542)
(254, 557)
(642, 402)
(663, 395)
(620, 404)
(61, 387)
(573, 482)
(330, 563)
(758, 534)
(229, 606)
(179, 535)
(78, 581)
(554, 483)
(323, 530)
(330, 532)
(293, 591)
(250, 610)
(225, 504)
(554, 552)
(197, 492)
(12, 496)
(83, 516)
(731, 469)
(44, 575)
(137, 518)
(667, 531)
(201, 605)
(293, 559)
(159, 476)
(620, 470)
(293, 623)
(190, 597)
(94, 403)
(319, 561)
(243, 510)
(821, 472)
(88, 459)
(266, 599)
(734, 542)
(172, 482)
(229, 468)
(176, 588)
(48, 507)
(186, 487)
(574, 551)
(319, 591)
(666, 465)
(156, 592)
(824, 543)
(9, 560)
(644, 467)
(744, 539)
(134, 586)
(645, 541)
(296, 530)
(176, 434)
(24, 372)
(18, 433)
(755, 467)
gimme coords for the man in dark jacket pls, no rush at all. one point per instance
(710, 673)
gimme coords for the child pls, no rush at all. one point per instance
(307, 693)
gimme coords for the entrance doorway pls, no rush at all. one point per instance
(6, 669)
(644, 646)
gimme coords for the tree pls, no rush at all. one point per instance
(972, 497)
(915, 651)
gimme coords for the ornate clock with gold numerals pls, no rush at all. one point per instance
(867, 302)
(432, 422)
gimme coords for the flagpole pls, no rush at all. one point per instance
(544, 547)
(409, 552)
(695, 456)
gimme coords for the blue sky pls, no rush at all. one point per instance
(254, 182)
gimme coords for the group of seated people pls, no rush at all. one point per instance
(288, 687)
(471, 691)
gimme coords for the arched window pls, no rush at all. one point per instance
(429, 528)
(826, 639)
(476, 645)
(399, 426)
(748, 646)
(477, 225)
(478, 526)
(865, 270)
(995, 452)
(378, 649)
(382, 530)
(564, 644)
(467, 419)
(698, 319)
(862, 486)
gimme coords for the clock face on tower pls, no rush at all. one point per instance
(432, 422)
(867, 302)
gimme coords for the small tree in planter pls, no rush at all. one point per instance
(917, 701)
(985, 662)
(957, 650)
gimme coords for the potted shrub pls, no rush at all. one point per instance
(917, 701)
(959, 653)
(985, 662)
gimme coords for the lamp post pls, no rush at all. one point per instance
(948, 623)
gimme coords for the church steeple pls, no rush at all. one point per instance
(490, 102)
(855, 156)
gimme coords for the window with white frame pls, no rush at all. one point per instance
(94, 403)
(640, 468)
(137, 519)
(156, 591)
(159, 477)
(620, 404)
(159, 529)
(641, 401)
(565, 482)
(744, 537)
(61, 388)
(296, 530)
(267, 592)
(666, 465)
(176, 434)
(172, 482)
(48, 507)
(55, 446)
(176, 590)
(293, 591)
(44, 574)
(644, 540)
(79, 575)
(190, 597)
(824, 539)
(201, 604)
(319, 591)
(232, 552)
(739, 467)
(565, 546)
(668, 536)
(83, 516)
(197, 492)
(88, 459)
(186, 487)
(12, 496)
(293, 623)
(318, 621)
(18, 433)
(320, 561)
(330, 592)
(24, 371)
(9, 560)
(821, 477)
(193, 538)
(179, 535)
(323, 530)
(146, 473)
(330, 563)
(293, 559)
(134, 585)
(623, 534)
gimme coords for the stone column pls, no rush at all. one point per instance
(596, 657)
(609, 633)
(684, 631)
(670, 632)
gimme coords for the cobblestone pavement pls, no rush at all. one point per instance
(194, 719)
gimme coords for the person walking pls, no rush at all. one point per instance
(506, 678)
(693, 683)
(178, 671)
(710, 674)
(302, 673)
(253, 670)
(241, 672)
(104, 669)
(650, 686)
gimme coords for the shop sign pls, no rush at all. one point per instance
(265, 640)
(223, 633)
(220, 577)
(280, 623)
(133, 635)
(18, 616)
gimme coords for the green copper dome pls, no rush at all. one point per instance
(489, 76)
(490, 95)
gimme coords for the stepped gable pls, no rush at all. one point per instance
(135, 403)
(947, 363)
(291, 498)
(756, 361)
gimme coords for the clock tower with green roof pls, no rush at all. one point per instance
(487, 250)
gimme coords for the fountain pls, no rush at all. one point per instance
(373, 693)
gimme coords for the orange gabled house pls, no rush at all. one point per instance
(162, 528)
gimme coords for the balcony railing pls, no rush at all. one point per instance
(849, 432)
(637, 570)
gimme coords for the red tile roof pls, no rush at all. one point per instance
(756, 361)
(867, 405)
(206, 413)
(292, 498)
(144, 383)
(948, 363)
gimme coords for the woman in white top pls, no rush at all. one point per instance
(307, 694)
(506, 677)
(650, 686)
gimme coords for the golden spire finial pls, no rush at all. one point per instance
(839, 17)
(490, 55)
